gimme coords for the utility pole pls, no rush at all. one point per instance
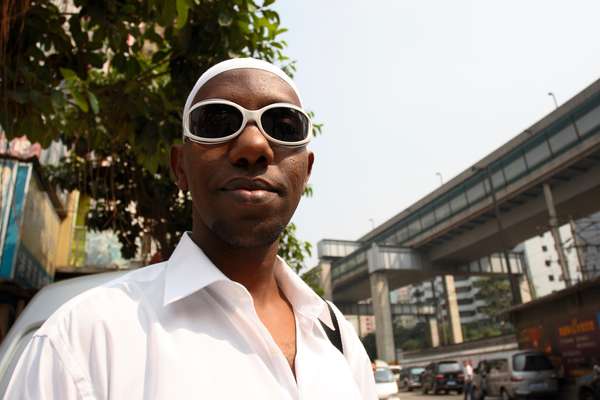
(514, 285)
(578, 245)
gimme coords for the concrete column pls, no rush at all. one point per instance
(525, 289)
(434, 334)
(325, 279)
(455, 330)
(384, 331)
(562, 259)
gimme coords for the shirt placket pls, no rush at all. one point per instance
(276, 361)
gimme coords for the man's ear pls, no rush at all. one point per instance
(311, 160)
(177, 167)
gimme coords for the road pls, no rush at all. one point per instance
(419, 396)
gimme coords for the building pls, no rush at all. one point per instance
(543, 261)
(36, 227)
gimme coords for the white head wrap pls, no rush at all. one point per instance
(237, 63)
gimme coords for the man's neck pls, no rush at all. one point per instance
(254, 268)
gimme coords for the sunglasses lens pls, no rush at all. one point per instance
(285, 124)
(213, 121)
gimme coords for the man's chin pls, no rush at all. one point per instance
(248, 235)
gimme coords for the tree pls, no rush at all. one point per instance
(109, 80)
(497, 295)
(413, 338)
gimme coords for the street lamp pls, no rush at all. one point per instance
(553, 98)
(441, 178)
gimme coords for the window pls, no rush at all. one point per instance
(537, 155)
(515, 169)
(442, 212)
(475, 193)
(498, 366)
(384, 375)
(563, 138)
(464, 289)
(548, 263)
(427, 220)
(531, 362)
(458, 203)
(551, 278)
(589, 121)
(414, 228)
(449, 366)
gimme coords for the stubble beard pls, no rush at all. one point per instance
(260, 234)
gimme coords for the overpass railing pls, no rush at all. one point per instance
(397, 309)
(544, 146)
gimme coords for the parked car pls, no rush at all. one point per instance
(519, 374)
(410, 378)
(43, 304)
(396, 370)
(443, 376)
(385, 383)
(588, 387)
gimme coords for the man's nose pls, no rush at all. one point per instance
(251, 148)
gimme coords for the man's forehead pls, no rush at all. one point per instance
(248, 84)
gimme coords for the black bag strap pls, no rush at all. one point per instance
(334, 335)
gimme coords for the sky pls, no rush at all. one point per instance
(408, 90)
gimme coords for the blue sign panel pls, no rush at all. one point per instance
(28, 271)
(11, 239)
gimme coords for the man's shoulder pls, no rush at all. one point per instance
(107, 302)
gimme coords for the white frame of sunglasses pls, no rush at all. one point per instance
(247, 115)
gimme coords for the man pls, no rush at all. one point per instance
(224, 317)
(468, 370)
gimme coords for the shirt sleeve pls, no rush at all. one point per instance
(357, 357)
(43, 374)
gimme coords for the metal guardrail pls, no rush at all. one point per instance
(577, 127)
(396, 308)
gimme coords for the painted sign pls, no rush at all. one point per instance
(571, 343)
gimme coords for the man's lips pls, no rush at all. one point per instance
(252, 191)
(250, 185)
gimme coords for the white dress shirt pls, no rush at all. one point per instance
(183, 330)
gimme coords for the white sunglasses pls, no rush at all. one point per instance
(217, 121)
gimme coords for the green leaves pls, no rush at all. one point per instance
(183, 7)
(78, 91)
(110, 81)
(68, 74)
(94, 102)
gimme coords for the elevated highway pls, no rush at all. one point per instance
(542, 178)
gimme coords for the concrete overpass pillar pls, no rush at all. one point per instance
(525, 289)
(455, 330)
(325, 279)
(384, 330)
(434, 334)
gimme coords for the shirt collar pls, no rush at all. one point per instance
(189, 270)
(304, 300)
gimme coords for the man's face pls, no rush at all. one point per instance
(244, 191)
